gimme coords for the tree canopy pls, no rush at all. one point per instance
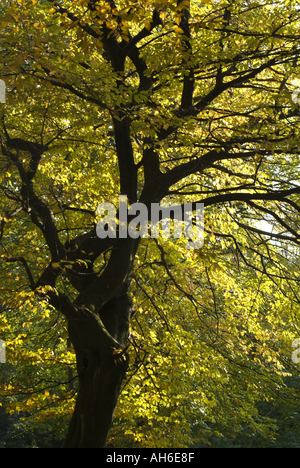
(167, 102)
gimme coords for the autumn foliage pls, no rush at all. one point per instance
(167, 102)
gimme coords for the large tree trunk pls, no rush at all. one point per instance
(99, 387)
(101, 365)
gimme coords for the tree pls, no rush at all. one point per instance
(174, 101)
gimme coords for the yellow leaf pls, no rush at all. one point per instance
(178, 30)
(148, 25)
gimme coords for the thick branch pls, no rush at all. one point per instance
(245, 197)
(114, 278)
(189, 79)
(40, 213)
(156, 21)
(203, 102)
(128, 169)
(200, 164)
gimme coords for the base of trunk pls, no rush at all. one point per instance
(100, 382)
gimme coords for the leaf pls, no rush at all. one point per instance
(178, 30)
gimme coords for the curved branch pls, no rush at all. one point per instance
(246, 197)
(28, 271)
(41, 214)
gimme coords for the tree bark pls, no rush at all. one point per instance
(99, 388)
(98, 326)
(101, 365)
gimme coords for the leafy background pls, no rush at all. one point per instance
(210, 342)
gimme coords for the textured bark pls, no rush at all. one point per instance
(99, 387)
(101, 366)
